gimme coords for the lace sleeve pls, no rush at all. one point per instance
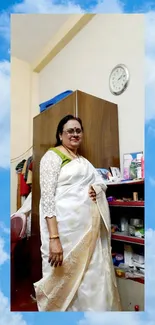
(49, 171)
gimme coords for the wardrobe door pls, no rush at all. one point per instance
(101, 139)
(44, 130)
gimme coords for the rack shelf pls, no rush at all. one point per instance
(137, 279)
(127, 203)
(123, 206)
(132, 182)
(128, 239)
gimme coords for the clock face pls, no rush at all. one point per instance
(119, 79)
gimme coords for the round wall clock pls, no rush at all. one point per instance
(119, 79)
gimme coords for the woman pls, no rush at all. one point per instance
(77, 268)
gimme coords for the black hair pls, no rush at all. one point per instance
(61, 126)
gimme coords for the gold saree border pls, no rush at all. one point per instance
(55, 292)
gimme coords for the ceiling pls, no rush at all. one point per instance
(31, 33)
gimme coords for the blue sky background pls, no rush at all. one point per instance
(28, 6)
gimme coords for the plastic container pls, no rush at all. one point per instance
(124, 225)
(142, 164)
(139, 165)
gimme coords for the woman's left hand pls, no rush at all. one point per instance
(92, 194)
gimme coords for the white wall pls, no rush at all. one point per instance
(86, 62)
(24, 106)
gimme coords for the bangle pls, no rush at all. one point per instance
(53, 237)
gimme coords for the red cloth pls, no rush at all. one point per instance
(31, 165)
(24, 188)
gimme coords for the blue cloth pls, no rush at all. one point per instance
(54, 100)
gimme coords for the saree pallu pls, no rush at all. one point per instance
(86, 280)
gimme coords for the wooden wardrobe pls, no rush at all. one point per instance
(100, 146)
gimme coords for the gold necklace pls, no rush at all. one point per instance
(71, 153)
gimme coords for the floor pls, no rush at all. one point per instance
(22, 292)
(23, 299)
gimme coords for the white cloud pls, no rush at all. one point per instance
(150, 72)
(5, 149)
(150, 30)
(6, 317)
(4, 228)
(5, 83)
(151, 128)
(129, 318)
(150, 278)
(5, 25)
(48, 6)
(3, 254)
(4, 114)
(106, 6)
(150, 64)
(152, 181)
(45, 6)
(109, 319)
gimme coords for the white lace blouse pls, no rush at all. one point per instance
(50, 165)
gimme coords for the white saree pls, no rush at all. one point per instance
(86, 280)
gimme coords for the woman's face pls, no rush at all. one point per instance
(72, 134)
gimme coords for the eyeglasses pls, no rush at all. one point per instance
(72, 131)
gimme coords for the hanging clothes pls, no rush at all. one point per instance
(26, 209)
(27, 168)
(24, 180)
(19, 167)
(24, 167)
(29, 177)
(24, 188)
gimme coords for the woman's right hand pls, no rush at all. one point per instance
(55, 252)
